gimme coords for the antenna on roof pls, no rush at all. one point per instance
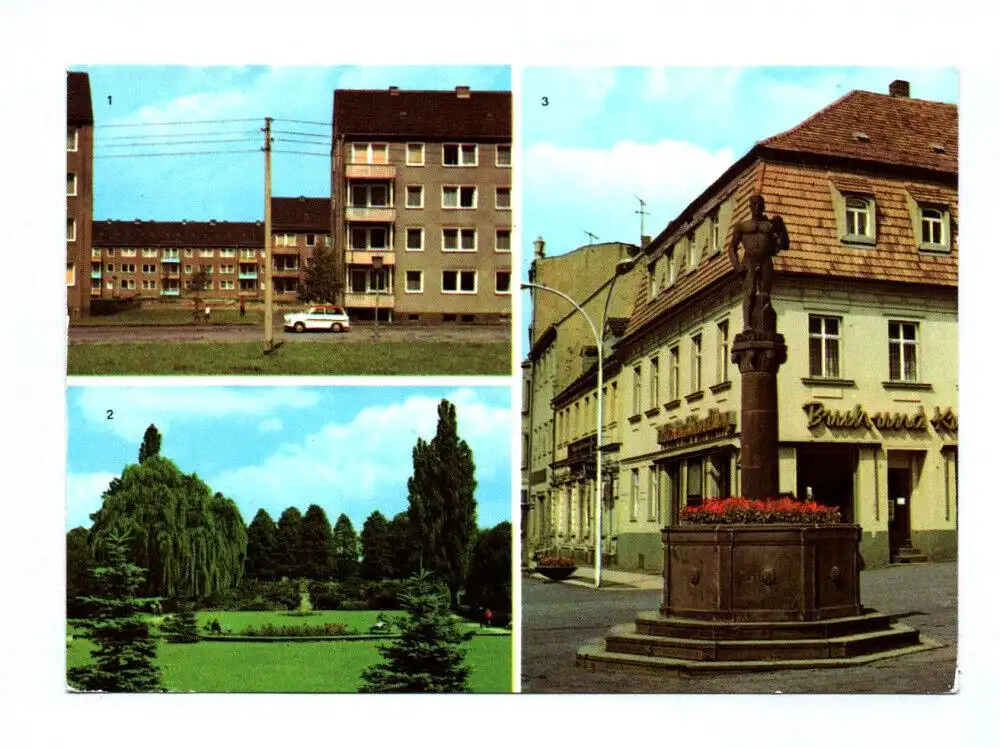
(642, 216)
(593, 237)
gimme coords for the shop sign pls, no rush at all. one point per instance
(818, 414)
(581, 448)
(694, 429)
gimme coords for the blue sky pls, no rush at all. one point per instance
(345, 448)
(663, 134)
(228, 186)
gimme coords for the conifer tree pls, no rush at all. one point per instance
(151, 443)
(317, 545)
(345, 548)
(376, 550)
(319, 280)
(124, 659)
(262, 550)
(288, 544)
(428, 656)
(182, 626)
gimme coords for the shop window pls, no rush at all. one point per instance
(903, 351)
(824, 346)
(694, 487)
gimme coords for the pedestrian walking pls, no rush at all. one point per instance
(488, 617)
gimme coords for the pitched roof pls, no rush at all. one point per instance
(876, 127)
(432, 115)
(178, 234)
(78, 106)
(301, 214)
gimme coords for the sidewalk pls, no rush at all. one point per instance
(613, 579)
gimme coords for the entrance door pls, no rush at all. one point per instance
(826, 475)
(899, 509)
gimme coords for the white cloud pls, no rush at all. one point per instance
(134, 408)
(362, 465)
(270, 424)
(83, 496)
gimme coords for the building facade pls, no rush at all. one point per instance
(79, 192)
(421, 185)
(866, 297)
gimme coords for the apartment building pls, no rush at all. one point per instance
(79, 192)
(421, 185)
(152, 260)
(866, 297)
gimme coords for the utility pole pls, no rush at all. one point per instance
(593, 237)
(642, 217)
(268, 285)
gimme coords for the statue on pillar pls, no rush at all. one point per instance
(762, 238)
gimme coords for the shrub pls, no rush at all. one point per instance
(293, 631)
(353, 605)
(739, 511)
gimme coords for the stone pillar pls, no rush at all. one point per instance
(758, 355)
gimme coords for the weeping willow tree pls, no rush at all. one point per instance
(192, 542)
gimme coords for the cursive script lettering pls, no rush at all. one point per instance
(818, 415)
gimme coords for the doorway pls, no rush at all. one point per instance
(826, 476)
(899, 510)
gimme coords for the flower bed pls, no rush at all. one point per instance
(739, 511)
(556, 568)
(291, 631)
(556, 561)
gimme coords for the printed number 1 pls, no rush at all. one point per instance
(109, 100)
(111, 415)
(545, 100)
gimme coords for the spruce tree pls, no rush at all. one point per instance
(151, 443)
(317, 545)
(262, 550)
(79, 569)
(442, 501)
(405, 548)
(288, 544)
(182, 626)
(345, 549)
(376, 551)
(124, 659)
(428, 656)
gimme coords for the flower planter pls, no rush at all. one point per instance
(556, 573)
(764, 572)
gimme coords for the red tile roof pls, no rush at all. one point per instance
(301, 214)
(78, 106)
(177, 234)
(430, 115)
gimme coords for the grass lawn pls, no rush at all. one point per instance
(220, 316)
(291, 358)
(298, 667)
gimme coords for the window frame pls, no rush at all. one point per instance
(458, 188)
(510, 156)
(850, 236)
(722, 350)
(653, 494)
(637, 389)
(406, 281)
(460, 161)
(70, 229)
(634, 496)
(458, 239)
(407, 160)
(496, 281)
(74, 192)
(823, 336)
(654, 381)
(674, 375)
(496, 235)
(496, 202)
(697, 359)
(420, 193)
(459, 273)
(368, 236)
(422, 242)
(76, 139)
(945, 224)
(369, 146)
(899, 344)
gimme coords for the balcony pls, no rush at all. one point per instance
(280, 249)
(175, 260)
(170, 292)
(248, 275)
(95, 274)
(95, 254)
(364, 257)
(367, 300)
(95, 291)
(285, 272)
(358, 214)
(370, 171)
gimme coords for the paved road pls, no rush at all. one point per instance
(241, 333)
(558, 618)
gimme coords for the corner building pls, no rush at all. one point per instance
(866, 297)
(421, 185)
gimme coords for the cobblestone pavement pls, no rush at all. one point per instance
(557, 618)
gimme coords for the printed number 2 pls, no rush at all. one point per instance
(111, 415)
(545, 101)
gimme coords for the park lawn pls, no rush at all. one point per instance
(202, 358)
(160, 317)
(299, 667)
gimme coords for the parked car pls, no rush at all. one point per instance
(319, 318)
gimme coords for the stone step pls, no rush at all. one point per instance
(654, 624)
(909, 556)
(624, 640)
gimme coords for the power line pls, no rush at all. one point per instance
(248, 133)
(296, 140)
(177, 142)
(306, 122)
(183, 122)
(302, 153)
(180, 153)
(307, 134)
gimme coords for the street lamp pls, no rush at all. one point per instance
(621, 268)
(376, 268)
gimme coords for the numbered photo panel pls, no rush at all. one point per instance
(289, 220)
(289, 539)
(740, 424)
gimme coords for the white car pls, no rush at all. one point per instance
(319, 318)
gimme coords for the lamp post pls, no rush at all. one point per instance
(621, 268)
(376, 268)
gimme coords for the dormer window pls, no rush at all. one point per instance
(859, 219)
(654, 286)
(935, 228)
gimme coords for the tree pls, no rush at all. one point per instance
(182, 626)
(442, 501)
(79, 567)
(376, 548)
(428, 656)
(125, 654)
(199, 281)
(317, 545)
(288, 544)
(262, 548)
(489, 581)
(319, 281)
(151, 442)
(404, 547)
(191, 541)
(345, 549)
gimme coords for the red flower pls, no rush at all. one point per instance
(739, 510)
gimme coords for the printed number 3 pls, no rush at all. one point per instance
(545, 101)
(111, 415)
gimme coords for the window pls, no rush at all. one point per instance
(188, 269)
(458, 240)
(70, 183)
(230, 269)
(713, 235)
(148, 285)
(674, 381)
(365, 195)
(147, 252)
(458, 281)
(634, 496)
(636, 389)
(206, 253)
(694, 473)
(463, 198)
(248, 254)
(72, 139)
(414, 154)
(459, 154)
(369, 238)
(652, 494)
(824, 346)
(859, 217)
(722, 334)
(692, 252)
(310, 240)
(187, 253)
(934, 233)
(503, 281)
(414, 240)
(227, 253)
(170, 254)
(653, 280)
(503, 198)
(127, 284)
(695, 363)
(227, 285)
(503, 154)
(71, 229)
(369, 153)
(414, 281)
(414, 196)
(654, 381)
(502, 243)
(149, 269)
(671, 266)
(70, 274)
(903, 351)
(130, 252)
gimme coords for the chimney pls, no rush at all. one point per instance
(394, 90)
(539, 248)
(462, 92)
(644, 241)
(899, 89)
